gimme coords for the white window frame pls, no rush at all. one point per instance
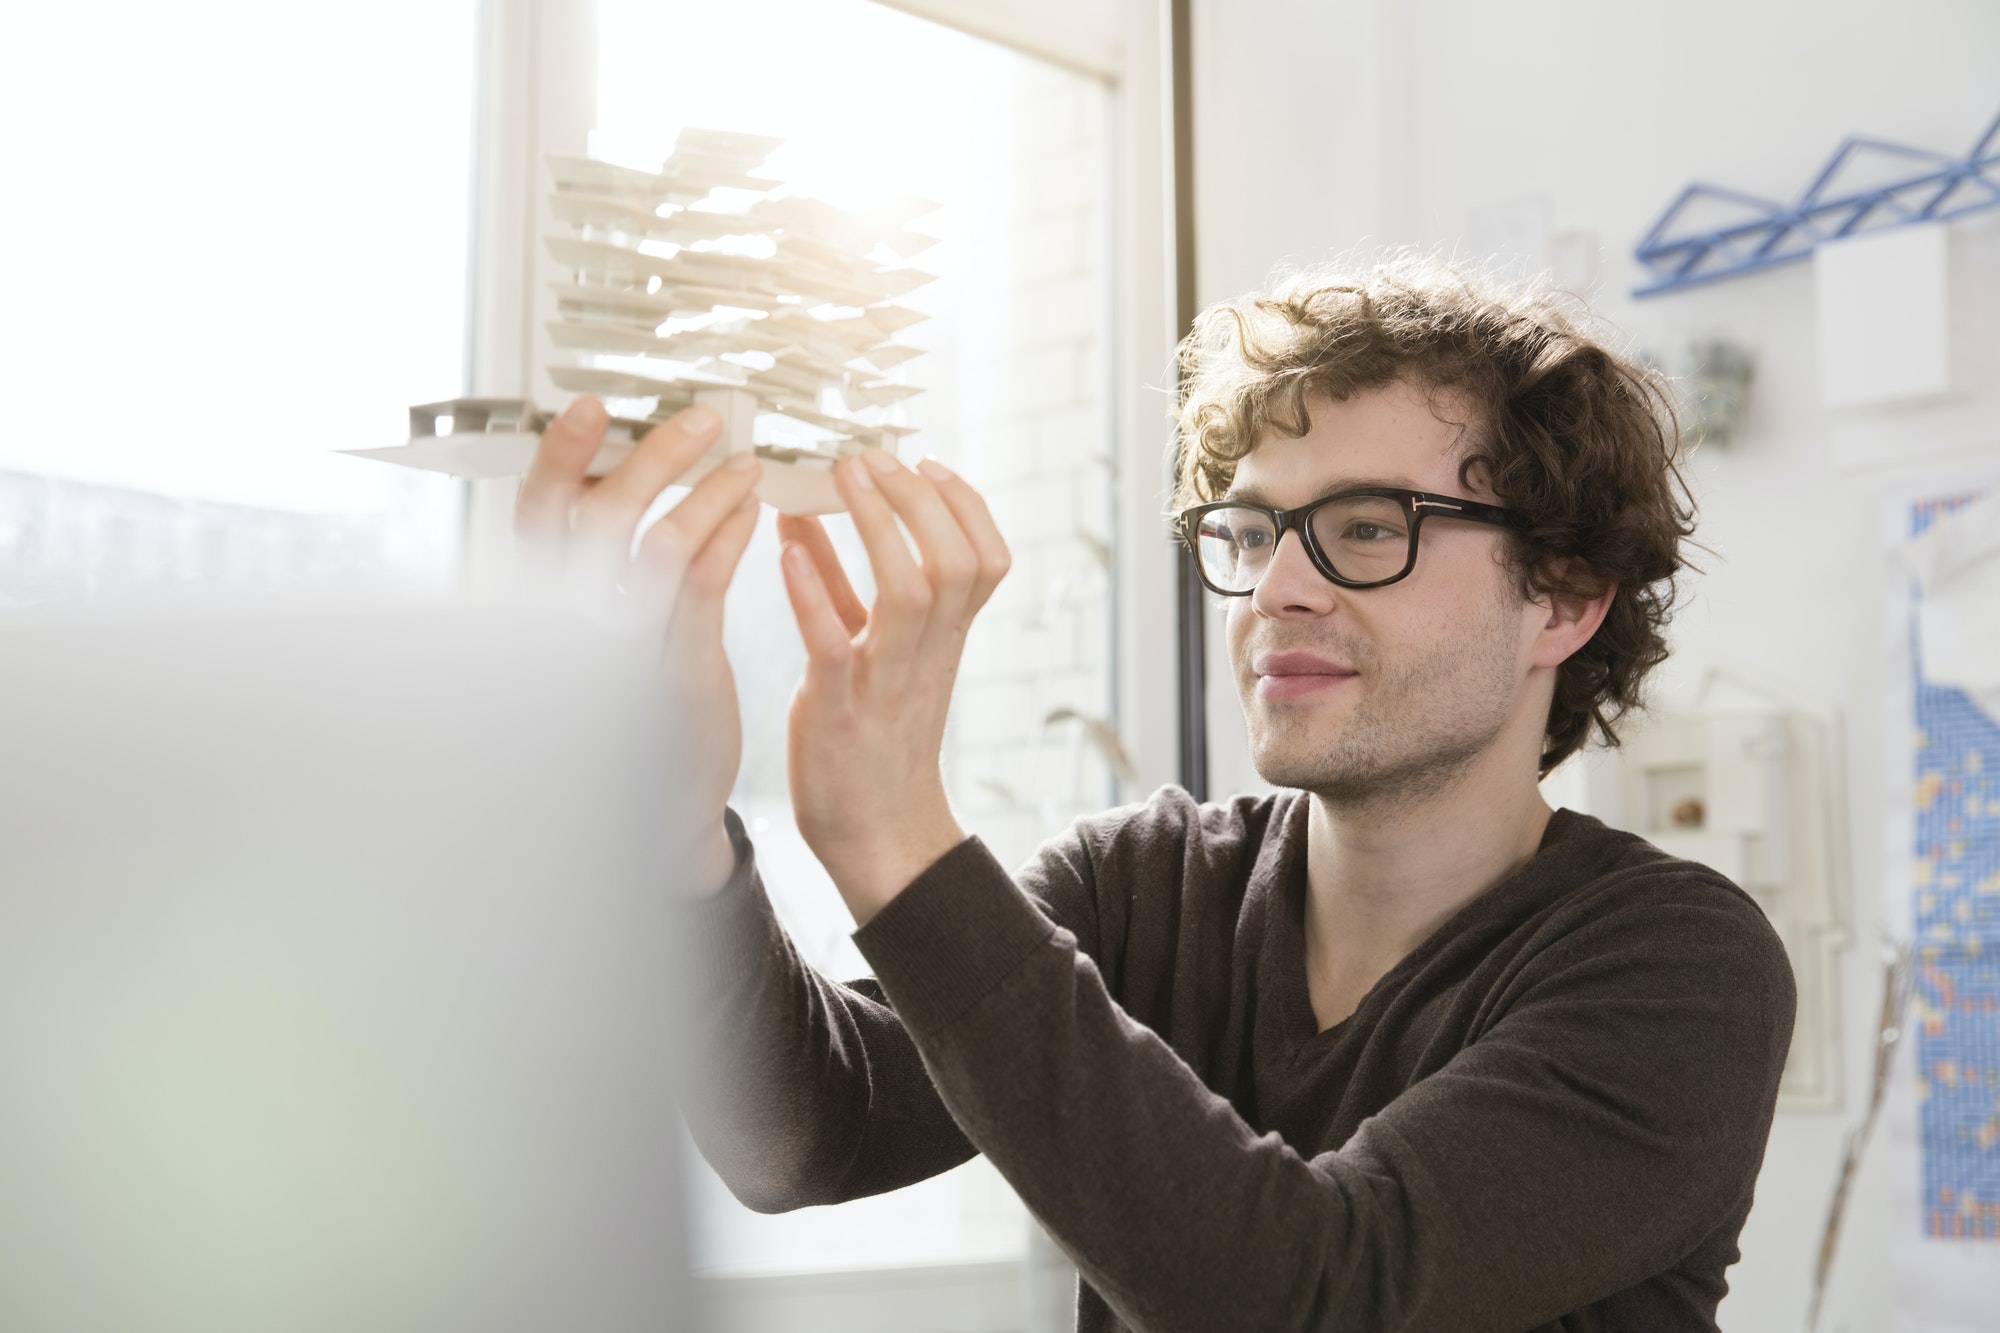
(537, 94)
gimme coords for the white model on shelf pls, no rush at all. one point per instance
(781, 313)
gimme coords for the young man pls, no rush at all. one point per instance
(1395, 1049)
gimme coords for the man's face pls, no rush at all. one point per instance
(1379, 694)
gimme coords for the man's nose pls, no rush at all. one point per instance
(1291, 586)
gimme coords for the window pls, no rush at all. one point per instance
(875, 104)
(237, 244)
(242, 245)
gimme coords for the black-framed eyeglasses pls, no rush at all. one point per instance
(1362, 538)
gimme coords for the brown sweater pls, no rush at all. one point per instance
(1549, 1115)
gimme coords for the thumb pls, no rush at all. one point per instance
(705, 585)
(829, 650)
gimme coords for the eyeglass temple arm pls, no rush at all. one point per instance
(1472, 509)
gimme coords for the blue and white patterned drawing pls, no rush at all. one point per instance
(1955, 907)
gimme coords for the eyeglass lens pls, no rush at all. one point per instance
(1364, 538)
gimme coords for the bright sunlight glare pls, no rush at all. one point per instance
(236, 242)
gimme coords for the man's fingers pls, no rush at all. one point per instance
(811, 534)
(670, 547)
(975, 520)
(603, 559)
(707, 579)
(555, 477)
(902, 593)
(668, 450)
(683, 530)
(607, 515)
(948, 558)
(715, 564)
(828, 648)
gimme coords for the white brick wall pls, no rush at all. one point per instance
(1044, 644)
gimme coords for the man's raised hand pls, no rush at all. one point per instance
(577, 534)
(867, 722)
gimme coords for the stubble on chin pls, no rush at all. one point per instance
(1411, 732)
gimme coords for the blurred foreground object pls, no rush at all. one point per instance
(332, 978)
(783, 309)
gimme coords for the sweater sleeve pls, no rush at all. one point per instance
(1610, 1119)
(798, 1090)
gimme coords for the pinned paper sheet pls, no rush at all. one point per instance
(785, 309)
(1957, 565)
(1942, 893)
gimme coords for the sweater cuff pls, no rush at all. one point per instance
(959, 930)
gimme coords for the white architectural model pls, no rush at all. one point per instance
(781, 314)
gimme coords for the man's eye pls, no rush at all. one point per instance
(1255, 539)
(1363, 531)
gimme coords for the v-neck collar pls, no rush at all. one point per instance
(1284, 875)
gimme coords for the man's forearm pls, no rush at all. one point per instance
(803, 1091)
(1110, 1139)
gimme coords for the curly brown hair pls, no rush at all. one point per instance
(1578, 438)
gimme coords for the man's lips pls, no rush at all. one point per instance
(1289, 675)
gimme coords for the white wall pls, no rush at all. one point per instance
(1326, 125)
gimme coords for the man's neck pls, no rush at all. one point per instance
(1381, 878)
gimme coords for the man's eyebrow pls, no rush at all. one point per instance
(1256, 495)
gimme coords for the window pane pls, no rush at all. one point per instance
(875, 105)
(239, 244)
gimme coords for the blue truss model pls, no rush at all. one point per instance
(1769, 234)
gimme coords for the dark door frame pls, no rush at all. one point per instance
(1190, 626)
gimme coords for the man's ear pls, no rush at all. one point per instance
(1573, 616)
